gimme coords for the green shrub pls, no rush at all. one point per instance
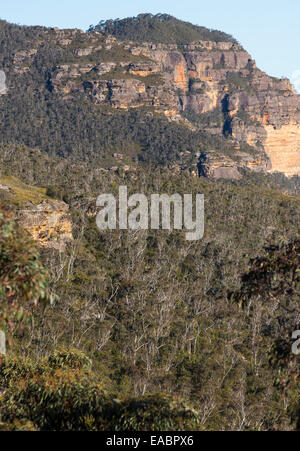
(60, 392)
(160, 28)
(23, 280)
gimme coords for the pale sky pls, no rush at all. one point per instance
(268, 29)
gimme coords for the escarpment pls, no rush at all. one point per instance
(208, 84)
(198, 79)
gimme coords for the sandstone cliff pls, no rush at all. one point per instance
(219, 78)
(205, 84)
(46, 220)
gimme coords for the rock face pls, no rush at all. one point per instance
(49, 223)
(287, 139)
(216, 81)
(47, 220)
(213, 165)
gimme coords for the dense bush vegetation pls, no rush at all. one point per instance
(160, 28)
(155, 314)
(145, 318)
(78, 130)
(32, 114)
(61, 392)
(270, 293)
(13, 38)
(23, 281)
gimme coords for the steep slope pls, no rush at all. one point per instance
(78, 86)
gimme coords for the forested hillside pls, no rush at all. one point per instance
(143, 330)
(161, 28)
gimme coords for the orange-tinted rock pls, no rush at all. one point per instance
(180, 77)
(202, 77)
(49, 223)
(283, 148)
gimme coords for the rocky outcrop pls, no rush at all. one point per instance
(49, 223)
(128, 93)
(214, 165)
(47, 220)
(144, 69)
